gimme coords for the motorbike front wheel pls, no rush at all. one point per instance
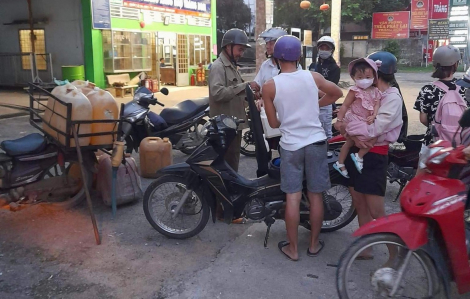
(163, 196)
(366, 270)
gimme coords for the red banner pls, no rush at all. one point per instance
(438, 9)
(419, 14)
(391, 25)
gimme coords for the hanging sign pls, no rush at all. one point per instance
(419, 14)
(391, 25)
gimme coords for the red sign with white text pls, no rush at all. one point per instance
(419, 14)
(438, 9)
(391, 25)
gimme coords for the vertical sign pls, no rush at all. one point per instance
(419, 14)
(391, 25)
(101, 14)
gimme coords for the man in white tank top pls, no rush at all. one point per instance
(293, 95)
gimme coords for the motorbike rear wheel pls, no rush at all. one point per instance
(162, 197)
(376, 277)
(339, 193)
(72, 169)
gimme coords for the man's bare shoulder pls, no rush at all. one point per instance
(269, 85)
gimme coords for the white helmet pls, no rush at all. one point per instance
(326, 40)
(271, 34)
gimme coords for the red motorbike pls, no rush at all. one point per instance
(416, 253)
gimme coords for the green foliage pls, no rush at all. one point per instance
(393, 47)
(232, 14)
(287, 13)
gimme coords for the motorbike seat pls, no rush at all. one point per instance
(28, 144)
(184, 110)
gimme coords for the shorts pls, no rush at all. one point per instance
(310, 162)
(326, 115)
(373, 179)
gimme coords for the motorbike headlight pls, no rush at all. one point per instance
(229, 122)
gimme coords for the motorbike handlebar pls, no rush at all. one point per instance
(161, 104)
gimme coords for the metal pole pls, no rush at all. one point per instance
(336, 28)
(427, 48)
(87, 192)
(31, 27)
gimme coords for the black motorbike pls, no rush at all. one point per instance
(34, 171)
(179, 202)
(182, 123)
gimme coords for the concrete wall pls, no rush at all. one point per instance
(63, 31)
(411, 50)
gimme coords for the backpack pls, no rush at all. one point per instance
(449, 110)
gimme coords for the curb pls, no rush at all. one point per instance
(11, 115)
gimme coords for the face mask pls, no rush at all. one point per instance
(364, 83)
(324, 54)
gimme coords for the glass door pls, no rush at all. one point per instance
(166, 57)
(182, 69)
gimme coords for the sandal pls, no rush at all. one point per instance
(338, 166)
(358, 162)
(314, 254)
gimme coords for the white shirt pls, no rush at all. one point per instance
(296, 103)
(267, 71)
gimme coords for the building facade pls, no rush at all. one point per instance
(112, 36)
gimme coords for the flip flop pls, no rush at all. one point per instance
(283, 244)
(358, 162)
(314, 254)
(338, 166)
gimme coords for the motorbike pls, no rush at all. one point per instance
(181, 123)
(427, 243)
(179, 202)
(36, 171)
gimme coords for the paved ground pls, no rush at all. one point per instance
(45, 254)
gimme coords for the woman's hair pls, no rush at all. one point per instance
(387, 78)
(441, 72)
(361, 66)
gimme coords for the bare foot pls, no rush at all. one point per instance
(286, 249)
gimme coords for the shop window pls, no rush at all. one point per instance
(39, 47)
(127, 51)
(199, 50)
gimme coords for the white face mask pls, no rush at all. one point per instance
(324, 54)
(364, 83)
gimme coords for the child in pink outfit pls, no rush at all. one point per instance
(361, 105)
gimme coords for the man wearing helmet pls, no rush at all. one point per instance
(293, 96)
(269, 67)
(329, 69)
(227, 88)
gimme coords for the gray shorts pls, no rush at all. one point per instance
(310, 162)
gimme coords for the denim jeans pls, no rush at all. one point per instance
(326, 119)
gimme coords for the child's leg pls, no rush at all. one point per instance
(363, 151)
(343, 154)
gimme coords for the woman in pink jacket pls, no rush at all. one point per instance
(368, 188)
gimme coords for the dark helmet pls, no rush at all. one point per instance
(288, 48)
(235, 37)
(387, 64)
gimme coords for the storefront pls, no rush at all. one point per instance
(131, 36)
